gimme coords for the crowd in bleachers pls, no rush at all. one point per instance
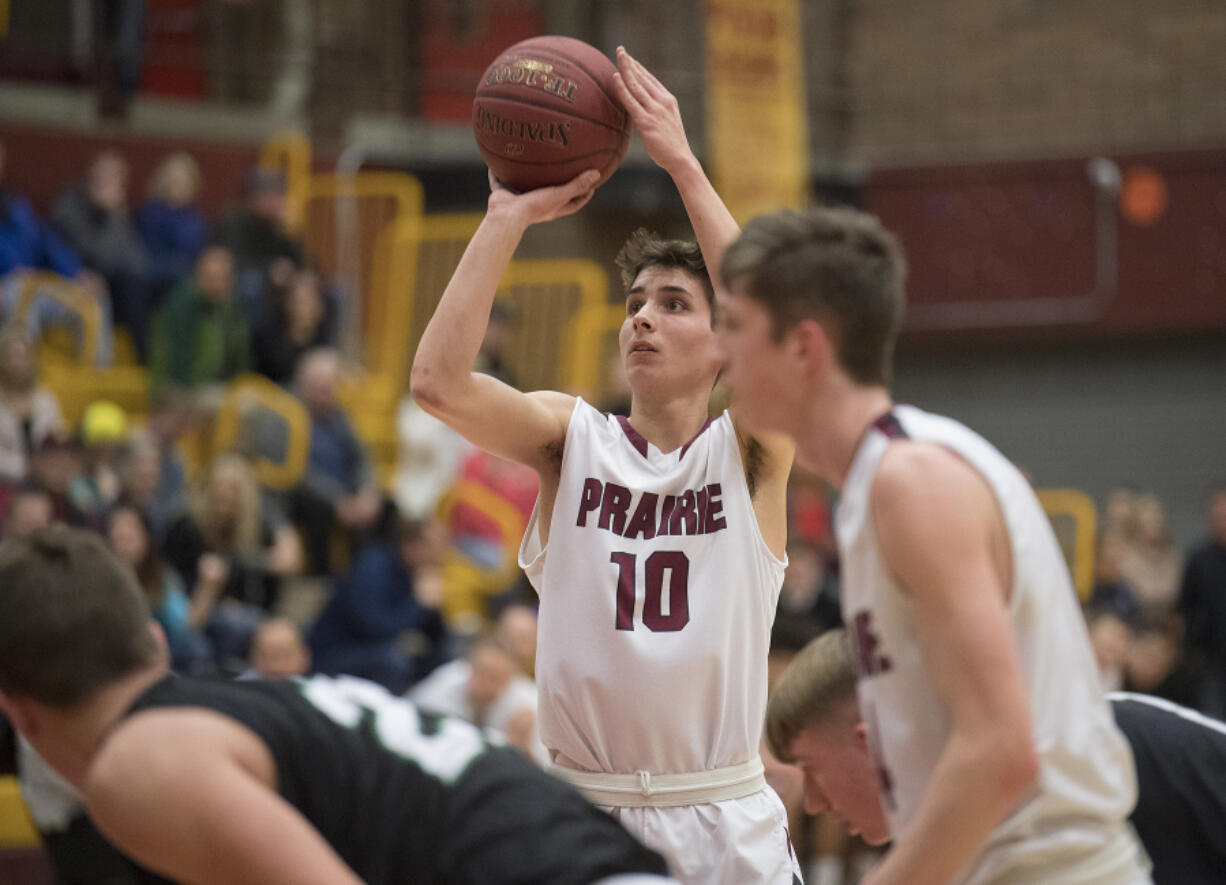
(198, 302)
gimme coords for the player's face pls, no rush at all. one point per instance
(839, 779)
(667, 342)
(756, 368)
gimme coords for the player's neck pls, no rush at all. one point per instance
(668, 424)
(835, 427)
(69, 739)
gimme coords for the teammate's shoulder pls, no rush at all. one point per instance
(923, 492)
(919, 464)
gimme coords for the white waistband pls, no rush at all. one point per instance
(643, 789)
(1120, 861)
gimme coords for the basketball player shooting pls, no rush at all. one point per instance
(657, 542)
(996, 756)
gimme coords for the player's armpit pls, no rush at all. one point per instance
(767, 459)
(181, 792)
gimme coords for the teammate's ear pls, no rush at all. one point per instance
(811, 342)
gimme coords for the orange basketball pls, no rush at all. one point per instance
(545, 111)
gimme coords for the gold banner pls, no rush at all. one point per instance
(756, 105)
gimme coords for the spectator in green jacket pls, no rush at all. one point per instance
(200, 337)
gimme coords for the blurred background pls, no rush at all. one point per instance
(227, 221)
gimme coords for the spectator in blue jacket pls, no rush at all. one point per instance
(26, 242)
(29, 244)
(382, 621)
(170, 223)
(339, 488)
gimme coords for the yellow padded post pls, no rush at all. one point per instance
(16, 828)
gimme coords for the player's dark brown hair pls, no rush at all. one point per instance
(72, 617)
(814, 688)
(646, 249)
(837, 266)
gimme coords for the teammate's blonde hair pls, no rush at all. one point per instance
(814, 688)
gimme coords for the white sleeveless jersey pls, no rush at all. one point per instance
(1087, 785)
(657, 597)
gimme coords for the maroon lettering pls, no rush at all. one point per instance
(644, 520)
(625, 590)
(713, 521)
(588, 500)
(634, 515)
(685, 517)
(613, 507)
(678, 615)
(865, 644)
(655, 618)
(666, 513)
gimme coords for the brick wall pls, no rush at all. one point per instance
(972, 80)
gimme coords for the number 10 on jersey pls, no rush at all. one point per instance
(672, 563)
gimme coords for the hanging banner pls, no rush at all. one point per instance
(756, 135)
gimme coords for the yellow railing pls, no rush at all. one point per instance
(71, 295)
(591, 341)
(1075, 520)
(289, 152)
(234, 427)
(393, 274)
(401, 187)
(16, 828)
(552, 299)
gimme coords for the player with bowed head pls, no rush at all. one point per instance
(983, 714)
(657, 542)
(295, 782)
(813, 722)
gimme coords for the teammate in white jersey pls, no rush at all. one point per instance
(995, 752)
(657, 542)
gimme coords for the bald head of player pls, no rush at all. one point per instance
(813, 722)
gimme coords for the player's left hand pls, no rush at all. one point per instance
(654, 112)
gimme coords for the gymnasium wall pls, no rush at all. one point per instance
(1146, 414)
(967, 79)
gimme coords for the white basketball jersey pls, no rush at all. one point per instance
(1087, 784)
(657, 597)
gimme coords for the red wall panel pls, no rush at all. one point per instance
(984, 240)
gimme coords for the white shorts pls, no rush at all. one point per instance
(733, 842)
